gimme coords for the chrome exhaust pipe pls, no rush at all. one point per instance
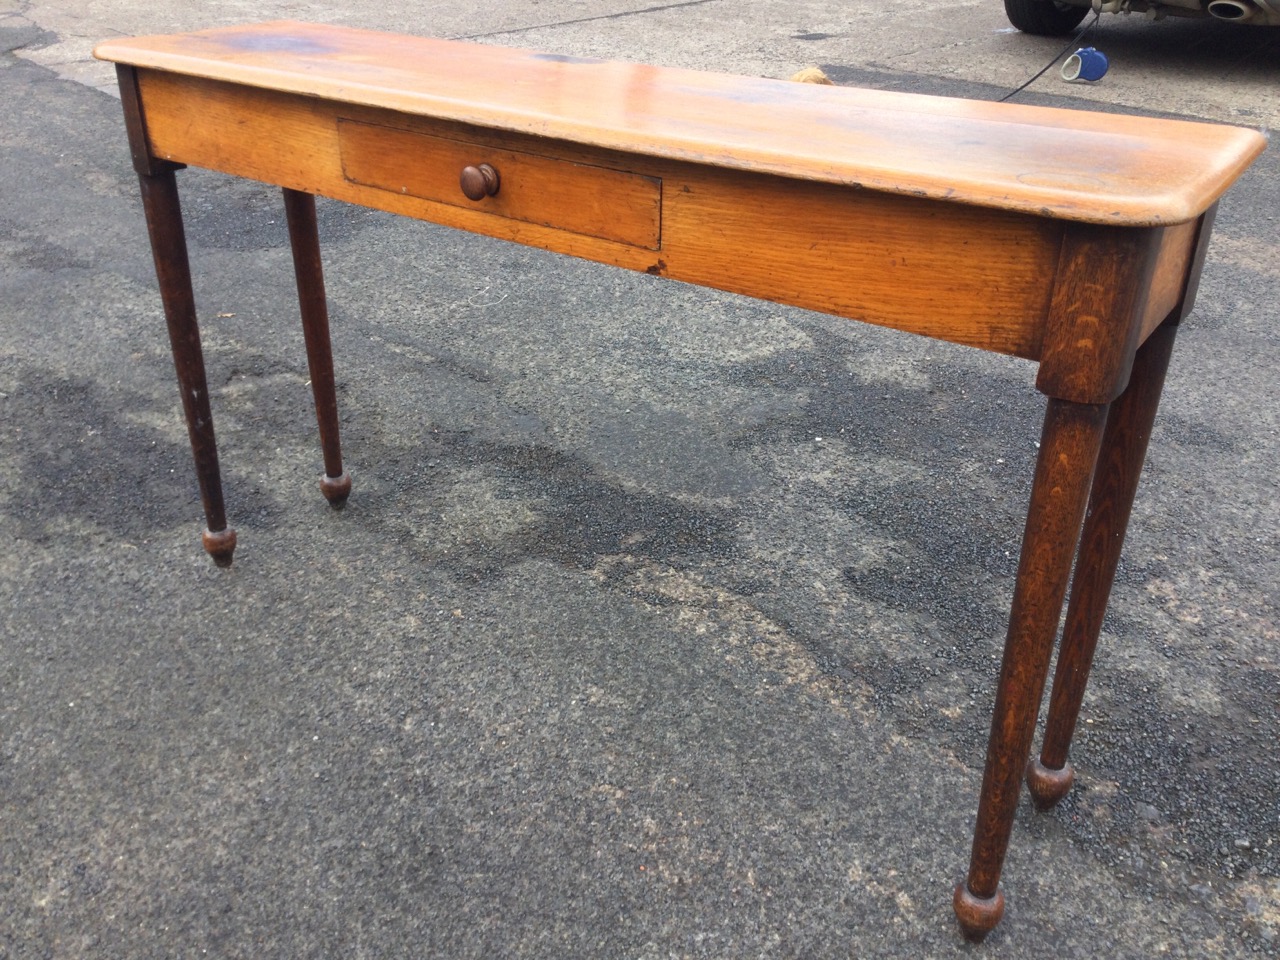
(1237, 11)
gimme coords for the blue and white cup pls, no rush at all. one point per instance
(1085, 64)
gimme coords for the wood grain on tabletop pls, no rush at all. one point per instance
(1072, 165)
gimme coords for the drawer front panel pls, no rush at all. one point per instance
(562, 194)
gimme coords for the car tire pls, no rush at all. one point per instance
(1045, 18)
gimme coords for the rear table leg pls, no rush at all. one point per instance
(300, 211)
(1124, 447)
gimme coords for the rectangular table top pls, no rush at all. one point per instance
(1064, 164)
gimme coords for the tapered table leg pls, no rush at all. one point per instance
(1068, 451)
(1124, 448)
(173, 271)
(304, 237)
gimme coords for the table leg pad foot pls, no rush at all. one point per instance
(220, 545)
(1048, 786)
(336, 489)
(978, 916)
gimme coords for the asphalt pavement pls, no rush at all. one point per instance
(661, 623)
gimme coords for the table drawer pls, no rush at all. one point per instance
(563, 194)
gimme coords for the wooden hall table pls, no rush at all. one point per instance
(1071, 239)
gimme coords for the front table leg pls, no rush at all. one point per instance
(304, 238)
(1068, 452)
(1124, 447)
(173, 271)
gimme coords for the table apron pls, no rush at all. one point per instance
(966, 274)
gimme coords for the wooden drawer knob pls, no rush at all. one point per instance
(479, 182)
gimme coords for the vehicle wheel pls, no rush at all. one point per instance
(1046, 18)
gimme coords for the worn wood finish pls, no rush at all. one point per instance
(145, 163)
(1092, 167)
(1095, 317)
(1191, 285)
(1124, 447)
(966, 274)
(169, 247)
(1169, 278)
(1066, 238)
(1068, 451)
(304, 238)
(963, 274)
